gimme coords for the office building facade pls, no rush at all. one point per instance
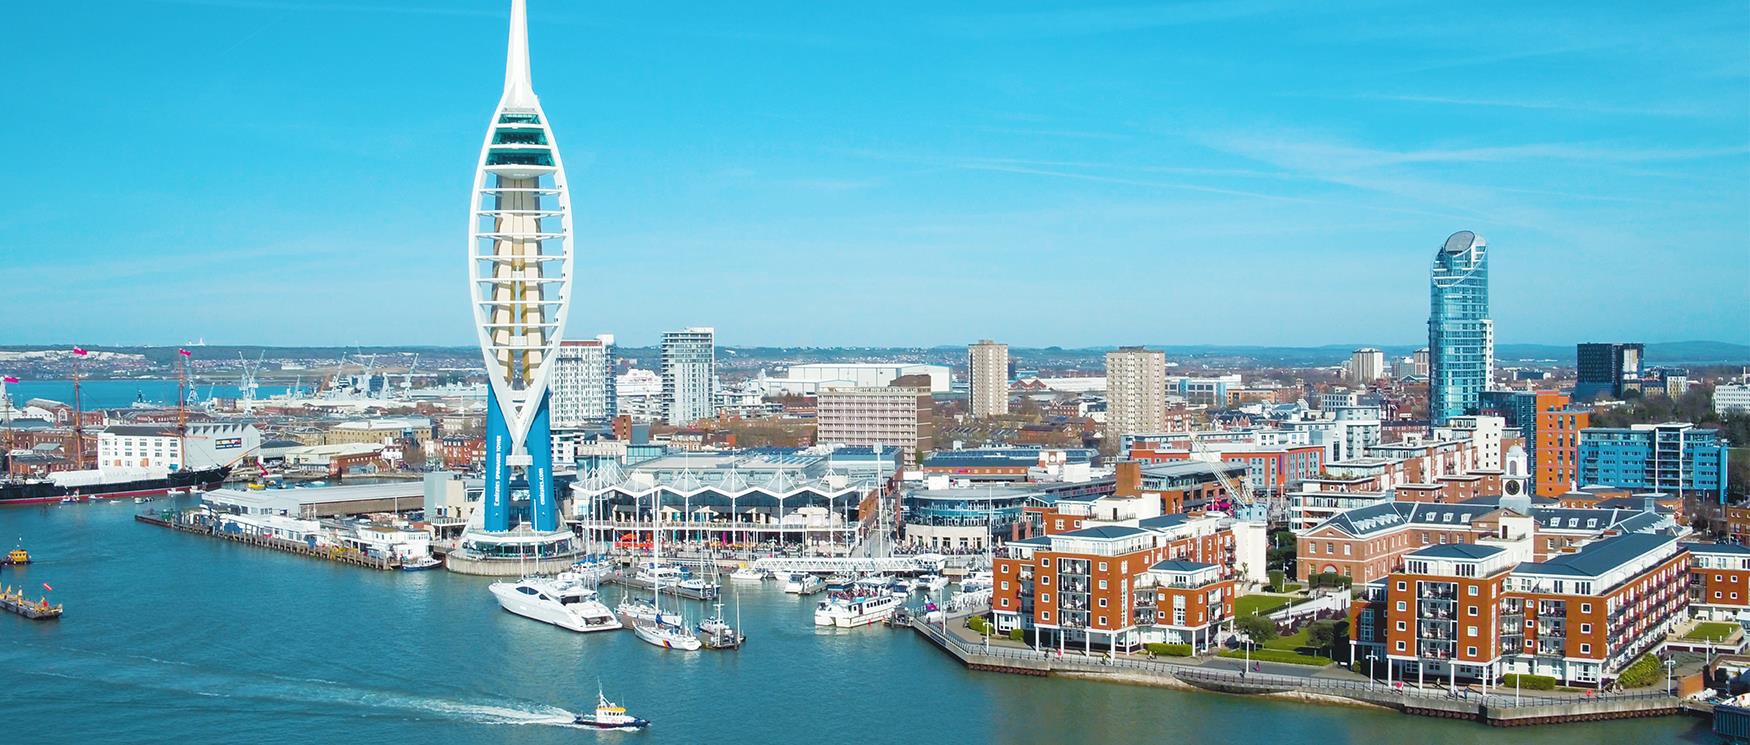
(1607, 369)
(892, 416)
(1676, 458)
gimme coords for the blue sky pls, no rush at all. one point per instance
(297, 171)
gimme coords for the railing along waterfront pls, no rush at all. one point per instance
(1370, 691)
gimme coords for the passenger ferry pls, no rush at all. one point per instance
(564, 601)
(848, 613)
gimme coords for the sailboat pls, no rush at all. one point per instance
(716, 632)
(654, 630)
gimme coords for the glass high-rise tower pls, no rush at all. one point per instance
(1461, 338)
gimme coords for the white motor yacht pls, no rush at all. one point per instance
(853, 612)
(563, 601)
(747, 574)
(932, 582)
(977, 581)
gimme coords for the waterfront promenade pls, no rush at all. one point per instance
(1333, 685)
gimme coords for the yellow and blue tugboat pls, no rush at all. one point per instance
(16, 557)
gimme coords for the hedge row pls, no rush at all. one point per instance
(1528, 682)
(978, 624)
(1644, 672)
(1277, 655)
(1170, 650)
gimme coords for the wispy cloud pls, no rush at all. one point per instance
(292, 5)
(1104, 20)
(1536, 104)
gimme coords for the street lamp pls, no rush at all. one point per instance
(1670, 668)
(1371, 656)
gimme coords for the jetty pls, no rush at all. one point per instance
(674, 589)
(184, 523)
(1496, 708)
(14, 601)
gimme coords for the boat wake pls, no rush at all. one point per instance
(124, 671)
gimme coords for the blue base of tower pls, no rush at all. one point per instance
(504, 480)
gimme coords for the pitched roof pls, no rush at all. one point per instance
(1457, 551)
(1103, 532)
(1600, 556)
(1731, 549)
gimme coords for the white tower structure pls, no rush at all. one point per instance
(519, 270)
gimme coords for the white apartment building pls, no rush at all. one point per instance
(582, 387)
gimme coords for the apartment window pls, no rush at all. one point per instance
(1046, 562)
(1470, 651)
(1045, 579)
(1585, 649)
(1102, 584)
(1400, 646)
(1102, 566)
(1403, 606)
(1044, 615)
(1473, 590)
(1345, 549)
(1005, 584)
(1005, 602)
(1402, 627)
(1585, 628)
(1045, 597)
(1102, 620)
(1470, 610)
(1585, 607)
(1102, 602)
(1401, 587)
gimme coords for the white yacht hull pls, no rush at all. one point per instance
(577, 617)
(667, 638)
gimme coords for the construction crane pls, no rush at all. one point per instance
(407, 380)
(1240, 492)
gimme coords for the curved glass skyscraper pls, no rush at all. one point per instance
(1461, 338)
(519, 271)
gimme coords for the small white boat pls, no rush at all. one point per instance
(421, 564)
(141, 500)
(899, 588)
(747, 574)
(848, 613)
(802, 583)
(609, 715)
(978, 581)
(667, 636)
(563, 601)
(931, 582)
(638, 610)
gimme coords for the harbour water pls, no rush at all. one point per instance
(174, 637)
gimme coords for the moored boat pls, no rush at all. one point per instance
(562, 601)
(851, 612)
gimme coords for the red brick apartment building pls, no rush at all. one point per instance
(1475, 612)
(1167, 579)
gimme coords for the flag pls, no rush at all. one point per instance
(10, 379)
(47, 587)
(79, 351)
(185, 353)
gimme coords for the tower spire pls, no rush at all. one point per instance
(519, 91)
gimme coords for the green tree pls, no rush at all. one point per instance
(1256, 627)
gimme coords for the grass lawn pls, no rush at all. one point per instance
(1290, 643)
(1246, 605)
(1711, 630)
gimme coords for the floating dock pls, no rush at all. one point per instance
(175, 522)
(687, 593)
(36, 610)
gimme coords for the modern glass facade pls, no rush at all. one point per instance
(1461, 339)
(1675, 458)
